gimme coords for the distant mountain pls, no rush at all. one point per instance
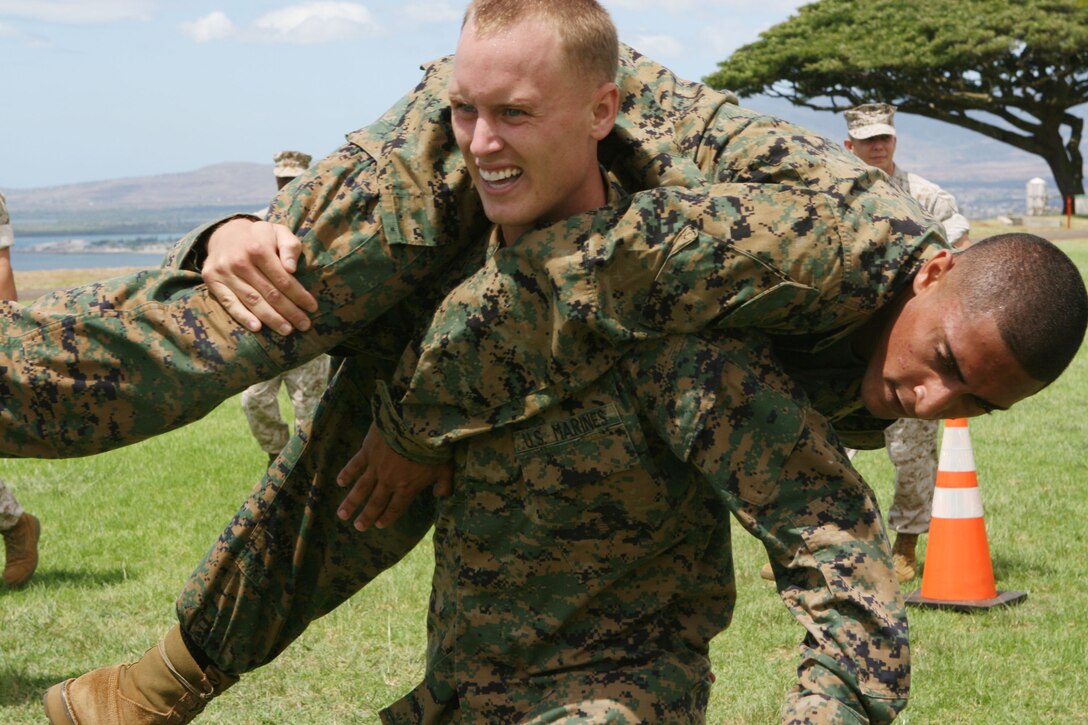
(244, 184)
(987, 177)
(167, 202)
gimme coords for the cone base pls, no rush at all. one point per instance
(1002, 599)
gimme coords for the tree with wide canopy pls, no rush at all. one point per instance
(1013, 71)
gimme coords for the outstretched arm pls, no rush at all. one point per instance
(108, 364)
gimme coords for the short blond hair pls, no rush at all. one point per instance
(585, 29)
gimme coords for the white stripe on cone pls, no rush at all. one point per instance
(956, 454)
(957, 503)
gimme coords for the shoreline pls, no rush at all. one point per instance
(35, 283)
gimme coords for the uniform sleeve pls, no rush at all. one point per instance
(940, 205)
(115, 362)
(955, 227)
(555, 310)
(725, 405)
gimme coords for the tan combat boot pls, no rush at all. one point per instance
(21, 550)
(165, 687)
(903, 557)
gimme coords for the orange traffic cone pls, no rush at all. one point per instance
(958, 572)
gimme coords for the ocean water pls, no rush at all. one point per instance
(23, 261)
(26, 258)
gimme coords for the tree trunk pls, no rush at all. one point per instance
(1064, 159)
(1069, 179)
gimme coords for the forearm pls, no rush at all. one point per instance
(111, 363)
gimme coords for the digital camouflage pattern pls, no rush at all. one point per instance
(261, 402)
(748, 403)
(912, 448)
(578, 560)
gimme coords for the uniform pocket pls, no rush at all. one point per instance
(568, 464)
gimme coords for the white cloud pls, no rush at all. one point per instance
(661, 47)
(738, 8)
(720, 39)
(692, 35)
(79, 12)
(316, 22)
(434, 12)
(308, 23)
(214, 26)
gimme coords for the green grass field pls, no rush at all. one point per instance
(122, 531)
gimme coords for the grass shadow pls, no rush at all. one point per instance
(18, 688)
(81, 578)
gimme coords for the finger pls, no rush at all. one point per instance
(353, 469)
(234, 306)
(289, 248)
(379, 499)
(359, 493)
(443, 486)
(398, 504)
(258, 306)
(278, 290)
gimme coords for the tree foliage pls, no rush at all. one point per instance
(1010, 70)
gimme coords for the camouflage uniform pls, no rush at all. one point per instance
(10, 510)
(261, 402)
(747, 402)
(912, 449)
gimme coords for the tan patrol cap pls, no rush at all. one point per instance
(870, 119)
(290, 164)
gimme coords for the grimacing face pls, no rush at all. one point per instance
(933, 360)
(528, 125)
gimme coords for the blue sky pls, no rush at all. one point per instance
(105, 89)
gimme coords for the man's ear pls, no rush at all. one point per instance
(606, 104)
(934, 270)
